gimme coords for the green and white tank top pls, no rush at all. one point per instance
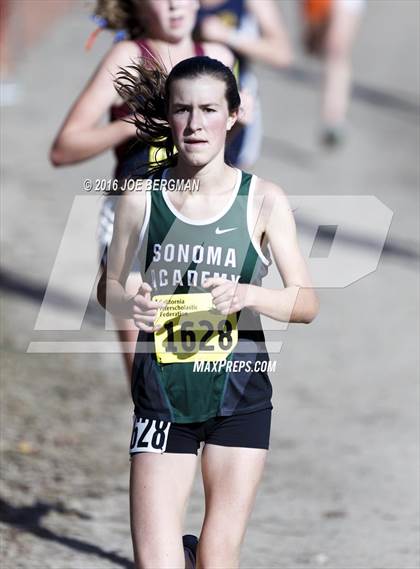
(181, 373)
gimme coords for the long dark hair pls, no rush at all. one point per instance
(146, 87)
(120, 15)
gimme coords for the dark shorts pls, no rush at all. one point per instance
(250, 430)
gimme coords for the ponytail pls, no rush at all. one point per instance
(142, 86)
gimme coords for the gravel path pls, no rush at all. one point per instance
(341, 484)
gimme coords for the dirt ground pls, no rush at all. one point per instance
(341, 486)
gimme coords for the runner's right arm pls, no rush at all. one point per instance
(82, 136)
(111, 293)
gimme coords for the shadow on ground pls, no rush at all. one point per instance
(29, 519)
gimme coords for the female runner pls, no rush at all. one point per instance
(255, 32)
(199, 371)
(160, 29)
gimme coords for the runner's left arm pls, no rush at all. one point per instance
(297, 301)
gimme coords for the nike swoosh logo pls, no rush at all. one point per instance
(221, 231)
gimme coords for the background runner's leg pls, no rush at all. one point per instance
(339, 42)
(231, 476)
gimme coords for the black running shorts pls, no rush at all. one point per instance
(250, 430)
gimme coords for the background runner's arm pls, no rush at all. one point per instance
(220, 52)
(82, 136)
(129, 217)
(297, 302)
(272, 46)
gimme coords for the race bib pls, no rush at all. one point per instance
(149, 435)
(193, 330)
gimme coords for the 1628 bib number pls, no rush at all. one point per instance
(193, 330)
(149, 435)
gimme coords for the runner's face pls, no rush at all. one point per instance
(199, 118)
(169, 20)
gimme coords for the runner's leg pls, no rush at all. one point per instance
(231, 476)
(339, 42)
(159, 488)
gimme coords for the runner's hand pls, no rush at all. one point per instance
(228, 297)
(213, 29)
(145, 310)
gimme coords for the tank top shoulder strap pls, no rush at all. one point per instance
(237, 212)
(158, 202)
(144, 46)
(198, 48)
(245, 183)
